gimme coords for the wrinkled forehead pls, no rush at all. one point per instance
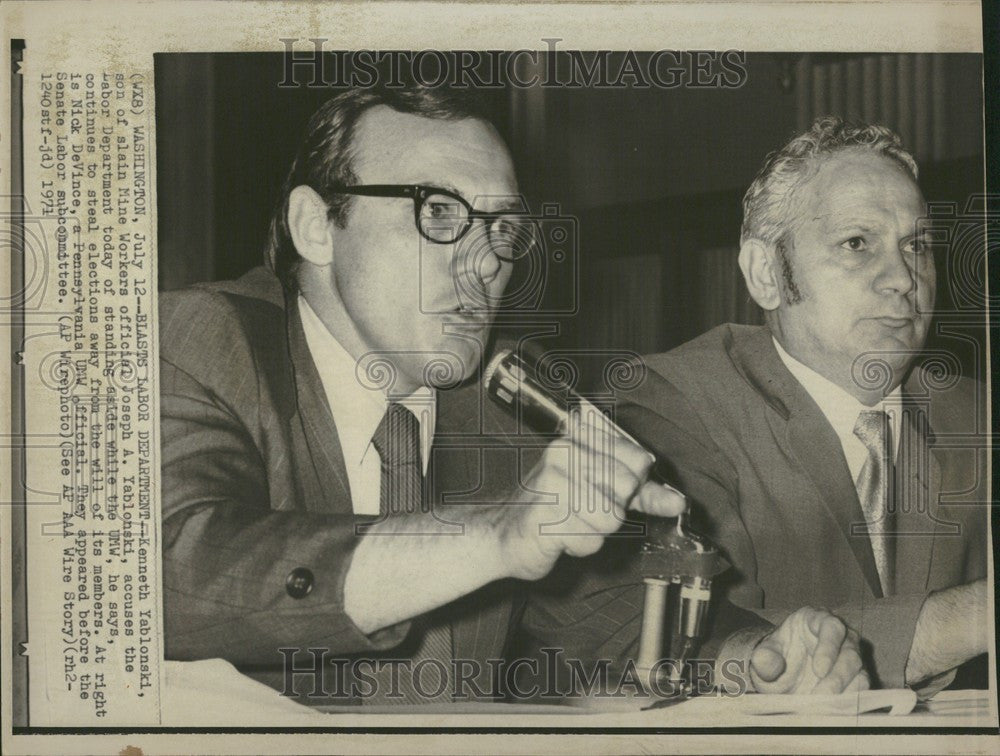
(465, 155)
(854, 183)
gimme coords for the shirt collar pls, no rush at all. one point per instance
(840, 408)
(357, 409)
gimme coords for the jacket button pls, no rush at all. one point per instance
(299, 583)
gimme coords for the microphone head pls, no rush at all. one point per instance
(510, 381)
(491, 368)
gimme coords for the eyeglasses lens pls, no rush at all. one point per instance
(443, 218)
(513, 236)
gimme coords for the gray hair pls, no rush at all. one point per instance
(765, 205)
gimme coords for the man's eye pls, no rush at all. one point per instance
(854, 244)
(918, 246)
(442, 210)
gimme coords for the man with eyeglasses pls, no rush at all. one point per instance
(334, 486)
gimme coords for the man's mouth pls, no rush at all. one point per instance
(477, 315)
(895, 322)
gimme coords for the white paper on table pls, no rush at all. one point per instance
(897, 702)
(213, 693)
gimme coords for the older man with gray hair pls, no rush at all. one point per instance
(808, 443)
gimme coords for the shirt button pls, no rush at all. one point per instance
(299, 583)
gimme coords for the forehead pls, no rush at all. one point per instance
(390, 147)
(857, 183)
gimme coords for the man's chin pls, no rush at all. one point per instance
(903, 346)
(450, 365)
(398, 373)
(894, 339)
(446, 373)
(884, 363)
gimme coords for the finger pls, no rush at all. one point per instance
(608, 475)
(594, 486)
(598, 421)
(661, 500)
(586, 509)
(564, 460)
(845, 669)
(830, 635)
(671, 488)
(847, 666)
(598, 509)
(860, 682)
(767, 662)
(610, 443)
(637, 458)
(555, 458)
(583, 545)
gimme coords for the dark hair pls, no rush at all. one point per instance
(324, 158)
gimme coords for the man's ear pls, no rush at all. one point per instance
(757, 261)
(310, 226)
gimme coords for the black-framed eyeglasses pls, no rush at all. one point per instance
(443, 217)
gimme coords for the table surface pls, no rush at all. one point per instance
(212, 693)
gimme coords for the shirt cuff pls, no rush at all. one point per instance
(732, 665)
(352, 636)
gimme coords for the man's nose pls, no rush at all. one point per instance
(897, 273)
(475, 257)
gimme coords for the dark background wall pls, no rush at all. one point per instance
(653, 177)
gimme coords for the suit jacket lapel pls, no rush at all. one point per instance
(810, 440)
(326, 480)
(481, 621)
(918, 480)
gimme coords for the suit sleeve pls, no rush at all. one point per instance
(592, 608)
(662, 418)
(591, 613)
(886, 627)
(242, 581)
(694, 464)
(688, 459)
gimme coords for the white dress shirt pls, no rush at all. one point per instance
(358, 410)
(842, 410)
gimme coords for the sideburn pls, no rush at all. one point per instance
(792, 293)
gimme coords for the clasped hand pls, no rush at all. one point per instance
(812, 651)
(578, 494)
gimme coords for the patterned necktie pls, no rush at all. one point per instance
(397, 441)
(873, 428)
(428, 647)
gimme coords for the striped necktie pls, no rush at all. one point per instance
(873, 428)
(428, 646)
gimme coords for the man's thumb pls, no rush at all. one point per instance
(767, 663)
(659, 499)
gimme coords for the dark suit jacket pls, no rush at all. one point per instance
(770, 483)
(255, 491)
(254, 488)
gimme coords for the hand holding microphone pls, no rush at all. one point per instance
(811, 652)
(586, 479)
(575, 496)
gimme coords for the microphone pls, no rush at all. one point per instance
(512, 382)
(679, 556)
